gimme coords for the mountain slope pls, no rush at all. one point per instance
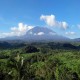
(76, 39)
(39, 34)
(43, 34)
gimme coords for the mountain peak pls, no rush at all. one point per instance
(40, 34)
(38, 29)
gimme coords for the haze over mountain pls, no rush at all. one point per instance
(77, 39)
(39, 34)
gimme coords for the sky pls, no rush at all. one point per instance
(19, 16)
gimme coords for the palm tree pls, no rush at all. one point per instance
(18, 64)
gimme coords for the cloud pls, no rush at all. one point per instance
(50, 20)
(70, 33)
(17, 31)
(21, 29)
(39, 33)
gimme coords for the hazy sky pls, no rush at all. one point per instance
(18, 16)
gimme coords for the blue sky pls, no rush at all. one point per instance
(15, 13)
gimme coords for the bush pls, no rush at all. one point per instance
(30, 49)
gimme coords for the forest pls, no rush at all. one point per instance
(39, 61)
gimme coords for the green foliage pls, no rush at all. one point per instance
(30, 49)
(49, 63)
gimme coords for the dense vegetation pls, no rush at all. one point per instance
(40, 61)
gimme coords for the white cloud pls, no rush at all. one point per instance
(70, 33)
(39, 33)
(21, 29)
(50, 20)
(16, 31)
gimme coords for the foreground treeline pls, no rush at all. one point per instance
(39, 63)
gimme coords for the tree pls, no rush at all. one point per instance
(30, 49)
(18, 64)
